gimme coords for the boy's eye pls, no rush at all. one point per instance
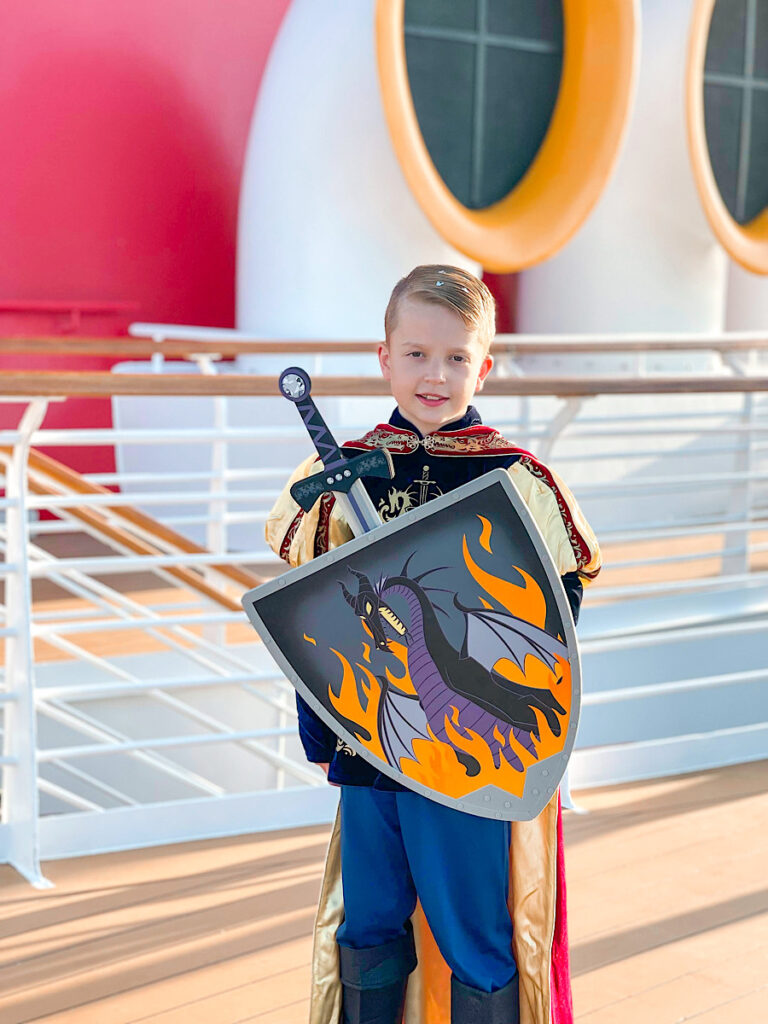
(416, 354)
(458, 359)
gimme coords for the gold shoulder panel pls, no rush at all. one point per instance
(567, 534)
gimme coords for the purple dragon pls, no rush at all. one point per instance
(445, 678)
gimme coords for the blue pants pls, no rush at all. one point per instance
(396, 846)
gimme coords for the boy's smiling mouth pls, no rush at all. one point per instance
(431, 400)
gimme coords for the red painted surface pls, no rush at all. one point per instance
(125, 125)
(503, 287)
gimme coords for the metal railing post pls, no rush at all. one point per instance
(740, 505)
(20, 811)
(216, 527)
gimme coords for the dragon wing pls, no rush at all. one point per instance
(401, 721)
(491, 635)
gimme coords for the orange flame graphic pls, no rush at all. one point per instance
(363, 712)
(436, 765)
(434, 762)
(526, 601)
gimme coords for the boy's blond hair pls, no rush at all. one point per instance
(448, 286)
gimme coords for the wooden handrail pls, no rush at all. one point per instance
(140, 348)
(49, 476)
(614, 341)
(59, 384)
(504, 344)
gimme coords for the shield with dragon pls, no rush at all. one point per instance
(441, 648)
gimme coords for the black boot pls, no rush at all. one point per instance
(374, 980)
(471, 1006)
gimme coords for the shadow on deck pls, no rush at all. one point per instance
(668, 909)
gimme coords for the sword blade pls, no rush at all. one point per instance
(358, 509)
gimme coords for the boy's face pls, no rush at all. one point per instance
(434, 364)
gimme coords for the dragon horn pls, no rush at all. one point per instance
(361, 576)
(347, 596)
(437, 568)
(404, 570)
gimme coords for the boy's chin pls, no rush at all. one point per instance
(430, 419)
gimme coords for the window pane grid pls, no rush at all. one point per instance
(747, 198)
(735, 81)
(490, 169)
(479, 120)
(486, 38)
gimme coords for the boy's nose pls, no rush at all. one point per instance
(434, 373)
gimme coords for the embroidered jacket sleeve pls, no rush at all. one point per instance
(298, 536)
(567, 533)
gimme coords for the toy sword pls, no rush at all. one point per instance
(340, 474)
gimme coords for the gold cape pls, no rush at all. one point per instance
(532, 903)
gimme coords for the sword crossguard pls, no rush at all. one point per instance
(339, 473)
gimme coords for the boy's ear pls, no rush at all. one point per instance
(485, 369)
(384, 361)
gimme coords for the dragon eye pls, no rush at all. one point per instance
(368, 607)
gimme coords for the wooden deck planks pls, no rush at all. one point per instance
(668, 900)
(668, 905)
(147, 934)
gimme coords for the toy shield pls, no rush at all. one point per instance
(441, 648)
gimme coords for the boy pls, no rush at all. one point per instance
(439, 325)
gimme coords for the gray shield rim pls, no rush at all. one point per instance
(543, 777)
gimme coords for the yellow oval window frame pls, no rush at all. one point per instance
(575, 160)
(747, 244)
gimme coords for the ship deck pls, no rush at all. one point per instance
(668, 910)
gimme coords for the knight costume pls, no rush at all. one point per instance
(506, 967)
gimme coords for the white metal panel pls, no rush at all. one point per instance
(646, 259)
(327, 223)
(73, 835)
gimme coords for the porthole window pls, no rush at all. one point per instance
(736, 105)
(484, 78)
(728, 123)
(506, 117)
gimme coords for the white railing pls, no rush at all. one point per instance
(153, 715)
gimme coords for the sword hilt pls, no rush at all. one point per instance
(296, 385)
(340, 473)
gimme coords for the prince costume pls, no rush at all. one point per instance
(506, 966)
